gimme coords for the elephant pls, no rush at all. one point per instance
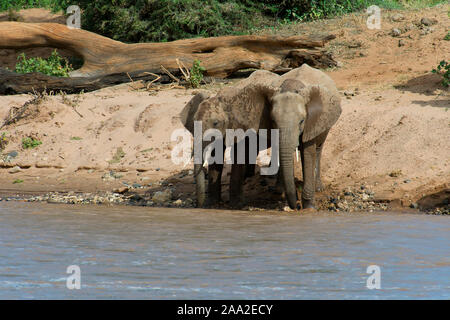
(303, 105)
(243, 106)
(304, 109)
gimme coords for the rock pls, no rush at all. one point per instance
(349, 93)
(395, 173)
(108, 177)
(136, 186)
(428, 22)
(161, 197)
(121, 190)
(409, 27)
(12, 154)
(178, 203)
(339, 64)
(348, 192)
(333, 200)
(414, 205)
(395, 32)
(136, 197)
(398, 17)
(406, 181)
(15, 169)
(401, 43)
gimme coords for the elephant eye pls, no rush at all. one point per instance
(215, 123)
(301, 122)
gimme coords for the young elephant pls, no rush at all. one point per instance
(304, 109)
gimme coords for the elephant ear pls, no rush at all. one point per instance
(323, 110)
(188, 112)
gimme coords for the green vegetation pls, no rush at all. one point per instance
(117, 156)
(54, 65)
(30, 143)
(17, 181)
(76, 138)
(196, 74)
(166, 20)
(447, 37)
(443, 68)
(3, 141)
(55, 5)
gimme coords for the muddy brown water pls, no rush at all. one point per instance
(155, 253)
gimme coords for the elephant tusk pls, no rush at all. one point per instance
(296, 153)
(205, 164)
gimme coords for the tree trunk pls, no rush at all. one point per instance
(104, 57)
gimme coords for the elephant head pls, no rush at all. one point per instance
(300, 109)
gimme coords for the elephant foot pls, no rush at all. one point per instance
(237, 203)
(319, 186)
(308, 204)
(211, 202)
(308, 210)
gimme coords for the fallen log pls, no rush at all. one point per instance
(104, 57)
(15, 83)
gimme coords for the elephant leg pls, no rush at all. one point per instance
(319, 146)
(309, 163)
(237, 179)
(214, 183)
(250, 170)
(236, 185)
(250, 161)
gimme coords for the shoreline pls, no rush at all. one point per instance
(348, 201)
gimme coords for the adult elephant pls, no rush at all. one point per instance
(243, 106)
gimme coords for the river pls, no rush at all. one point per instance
(159, 253)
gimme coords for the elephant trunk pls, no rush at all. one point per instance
(287, 168)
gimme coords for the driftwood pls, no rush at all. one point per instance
(107, 61)
(13, 83)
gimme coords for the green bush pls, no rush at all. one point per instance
(443, 68)
(54, 65)
(30, 143)
(447, 36)
(166, 20)
(55, 5)
(196, 74)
